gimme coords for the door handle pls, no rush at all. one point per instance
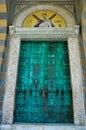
(46, 92)
(36, 83)
(57, 92)
(62, 93)
(30, 92)
(43, 93)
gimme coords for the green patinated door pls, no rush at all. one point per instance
(43, 90)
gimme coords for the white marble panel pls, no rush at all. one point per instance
(10, 83)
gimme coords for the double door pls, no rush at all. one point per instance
(43, 89)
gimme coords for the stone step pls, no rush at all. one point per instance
(42, 127)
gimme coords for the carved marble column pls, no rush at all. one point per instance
(10, 83)
(76, 81)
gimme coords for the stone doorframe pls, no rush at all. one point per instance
(70, 34)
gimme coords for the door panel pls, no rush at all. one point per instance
(43, 89)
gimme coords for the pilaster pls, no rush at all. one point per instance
(76, 81)
(10, 83)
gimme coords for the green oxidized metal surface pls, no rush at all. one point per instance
(43, 92)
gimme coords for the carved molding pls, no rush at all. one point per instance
(45, 32)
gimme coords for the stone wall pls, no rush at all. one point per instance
(82, 10)
(3, 31)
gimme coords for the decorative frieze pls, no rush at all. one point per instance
(45, 32)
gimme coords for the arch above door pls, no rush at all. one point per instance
(58, 10)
